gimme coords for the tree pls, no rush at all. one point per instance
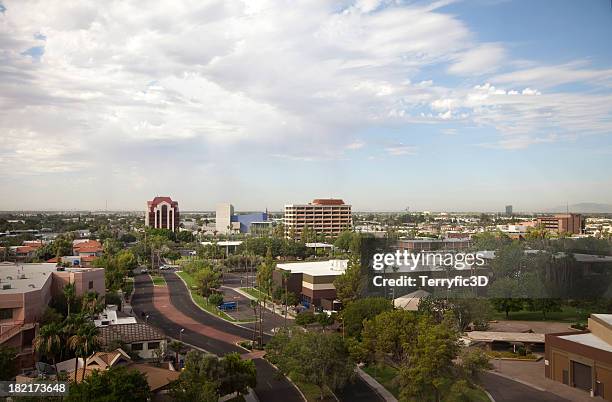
(474, 361)
(69, 294)
(318, 358)
(8, 360)
(83, 343)
(207, 280)
(48, 342)
(430, 367)
(115, 384)
(544, 305)
(215, 299)
(177, 347)
(349, 284)
(264, 273)
(206, 377)
(91, 303)
(344, 240)
(390, 335)
(355, 313)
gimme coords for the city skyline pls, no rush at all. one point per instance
(441, 106)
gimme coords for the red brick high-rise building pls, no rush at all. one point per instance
(162, 213)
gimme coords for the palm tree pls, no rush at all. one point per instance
(69, 294)
(84, 342)
(91, 303)
(48, 342)
(177, 347)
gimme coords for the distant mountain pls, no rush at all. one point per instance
(585, 207)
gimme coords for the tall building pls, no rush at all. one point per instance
(509, 210)
(162, 213)
(328, 217)
(562, 223)
(224, 213)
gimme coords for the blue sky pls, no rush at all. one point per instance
(444, 105)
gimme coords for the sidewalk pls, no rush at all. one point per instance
(276, 308)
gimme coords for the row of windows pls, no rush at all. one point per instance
(150, 346)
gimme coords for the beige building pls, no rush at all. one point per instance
(583, 360)
(25, 292)
(328, 217)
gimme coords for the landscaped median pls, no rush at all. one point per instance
(254, 292)
(201, 301)
(158, 280)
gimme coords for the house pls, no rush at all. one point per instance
(158, 378)
(85, 247)
(140, 338)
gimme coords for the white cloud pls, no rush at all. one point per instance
(480, 60)
(400, 150)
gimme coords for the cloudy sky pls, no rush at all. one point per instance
(444, 105)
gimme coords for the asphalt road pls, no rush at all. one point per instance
(505, 390)
(270, 386)
(357, 391)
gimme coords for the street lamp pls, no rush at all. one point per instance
(147, 319)
(181, 334)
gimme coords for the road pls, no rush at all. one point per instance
(505, 390)
(270, 386)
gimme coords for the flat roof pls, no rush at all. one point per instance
(607, 318)
(491, 336)
(223, 243)
(315, 268)
(319, 245)
(24, 277)
(589, 339)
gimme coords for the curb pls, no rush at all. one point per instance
(518, 380)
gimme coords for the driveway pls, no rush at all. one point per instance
(505, 390)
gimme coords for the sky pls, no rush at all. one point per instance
(428, 105)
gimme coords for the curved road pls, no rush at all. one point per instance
(269, 386)
(505, 390)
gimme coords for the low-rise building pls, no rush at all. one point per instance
(142, 339)
(583, 359)
(312, 281)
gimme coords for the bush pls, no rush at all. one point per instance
(215, 299)
(305, 318)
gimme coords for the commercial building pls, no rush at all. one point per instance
(326, 217)
(416, 245)
(312, 282)
(229, 222)
(583, 359)
(162, 213)
(25, 292)
(509, 210)
(561, 223)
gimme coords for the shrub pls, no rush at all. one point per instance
(215, 299)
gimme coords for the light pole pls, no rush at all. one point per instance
(147, 319)
(181, 334)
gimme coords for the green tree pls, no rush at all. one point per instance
(544, 305)
(318, 358)
(207, 280)
(355, 313)
(48, 342)
(390, 335)
(265, 272)
(92, 303)
(84, 342)
(474, 361)
(70, 295)
(349, 285)
(177, 347)
(117, 384)
(8, 360)
(430, 367)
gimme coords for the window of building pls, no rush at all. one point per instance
(137, 346)
(6, 313)
(153, 345)
(90, 284)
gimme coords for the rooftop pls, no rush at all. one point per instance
(24, 278)
(589, 339)
(129, 333)
(315, 268)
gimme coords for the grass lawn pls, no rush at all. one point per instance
(567, 314)
(385, 376)
(201, 300)
(158, 280)
(254, 292)
(312, 393)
